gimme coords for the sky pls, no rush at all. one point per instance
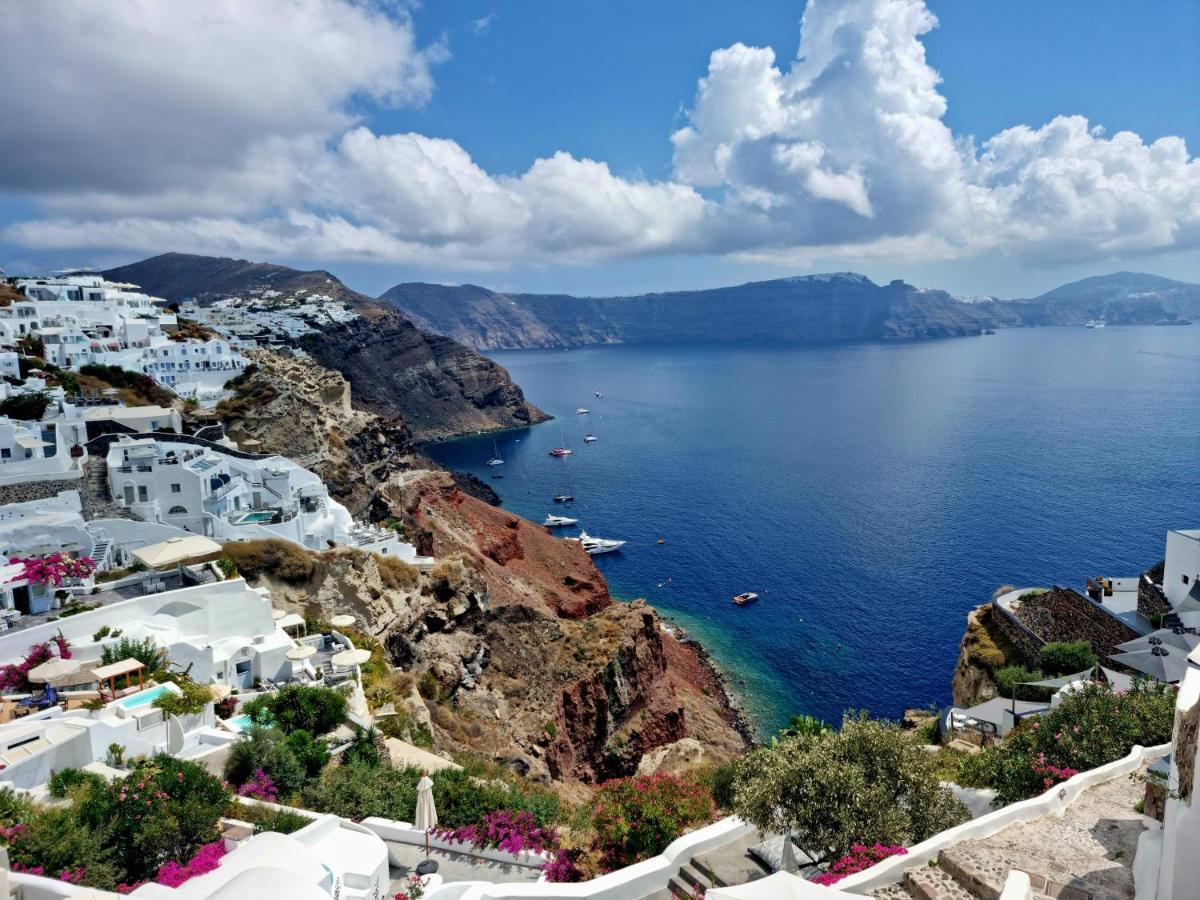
(608, 146)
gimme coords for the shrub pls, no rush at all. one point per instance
(866, 783)
(719, 781)
(860, 857)
(1067, 657)
(1091, 727)
(364, 748)
(405, 727)
(145, 651)
(191, 701)
(26, 407)
(52, 843)
(277, 558)
(227, 566)
(636, 818)
(502, 829)
(264, 818)
(299, 707)
(312, 753)
(265, 750)
(395, 573)
(804, 724)
(428, 686)
(1010, 678)
(68, 781)
(206, 859)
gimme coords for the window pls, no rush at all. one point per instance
(143, 493)
(5, 453)
(175, 488)
(177, 511)
(243, 668)
(1185, 579)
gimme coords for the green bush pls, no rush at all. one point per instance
(299, 707)
(54, 840)
(1067, 657)
(404, 727)
(25, 407)
(278, 558)
(636, 818)
(264, 818)
(719, 781)
(312, 753)
(145, 651)
(1010, 678)
(364, 749)
(64, 783)
(266, 749)
(191, 701)
(227, 566)
(428, 686)
(14, 807)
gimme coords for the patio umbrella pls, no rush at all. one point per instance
(304, 651)
(176, 550)
(1171, 638)
(278, 614)
(1161, 663)
(53, 670)
(342, 621)
(426, 819)
(348, 658)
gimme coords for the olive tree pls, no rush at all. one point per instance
(866, 783)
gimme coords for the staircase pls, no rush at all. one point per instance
(972, 870)
(101, 548)
(97, 501)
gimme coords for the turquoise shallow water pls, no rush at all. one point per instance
(872, 494)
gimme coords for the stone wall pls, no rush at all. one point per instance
(1021, 635)
(1151, 599)
(1062, 614)
(36, 490)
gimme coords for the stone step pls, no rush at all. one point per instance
(935, 883)
(977, 867)
(898, 891)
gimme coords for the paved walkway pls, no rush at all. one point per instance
(454, 866)
(1087, 852)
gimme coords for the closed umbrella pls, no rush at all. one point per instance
(304, 651)
(426, 819)
(53, 670)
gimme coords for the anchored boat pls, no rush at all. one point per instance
(559, 521)
(594, 546)
(745, 599)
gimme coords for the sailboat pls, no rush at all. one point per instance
(496, 459)
(561, 449)
(568, 495)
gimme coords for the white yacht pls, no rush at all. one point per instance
(496, 459)
(559, 521)
(582, 411)
(588, 438)
(1095, 323)
(594, 546)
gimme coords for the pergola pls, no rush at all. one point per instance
(113, 671)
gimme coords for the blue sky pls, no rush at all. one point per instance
(486, 88)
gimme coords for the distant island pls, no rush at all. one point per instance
(817, 309)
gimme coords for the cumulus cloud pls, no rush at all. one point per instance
(252, 145)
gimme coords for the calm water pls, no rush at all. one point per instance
(872, 494)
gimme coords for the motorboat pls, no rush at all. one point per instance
(561, 451)
(496, 459)
(1095, 323)
(745, 599)
(582, 411)
(498, 475)
(594, 546)
(559, 522)
(563, 498)
(589, 438)
(597, 393)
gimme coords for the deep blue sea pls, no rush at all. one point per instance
(871, 494)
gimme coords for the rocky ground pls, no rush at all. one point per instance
(535, 665)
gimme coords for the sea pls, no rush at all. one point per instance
(871, 494)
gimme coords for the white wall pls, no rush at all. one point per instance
(1183, 561)
(1179, 864)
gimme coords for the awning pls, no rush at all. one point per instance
(1062, 680)
(31, 443)
(115, 670)
(175, 550)
(1118, 681)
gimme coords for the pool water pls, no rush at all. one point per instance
(256, 518)
(239, 723)
(143, 698)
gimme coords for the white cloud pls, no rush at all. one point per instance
(231, 128)
(483, 24)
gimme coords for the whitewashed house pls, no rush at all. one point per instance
(48, 450)
(1181, 572)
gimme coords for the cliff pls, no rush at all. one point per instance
(810, 309)
(438, 386)
(529, 660)
(1122, 298)
(984, 650)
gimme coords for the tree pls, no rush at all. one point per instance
(299, 707)
(1067, 657)
(864, 784)
(268, 750)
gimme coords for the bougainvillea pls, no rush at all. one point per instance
(207, 858)
(637, 817)
(260, 787)
(562, 868)
(55, 568)
(512, 832)
(14, 677)
(860, 857)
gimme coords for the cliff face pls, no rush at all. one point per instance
(984, 649)
(438, 386)
(535, 665)
(811, 309)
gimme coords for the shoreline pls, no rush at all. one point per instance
(735, 714)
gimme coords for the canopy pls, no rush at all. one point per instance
(1118, 681)
(342, 621)
(304, 651)
(176, 550)
(278, 614)
(1168, 664)
(1179, 638)
(113, 670)
(1062, 680)
(349, 658)
(291, 620)
(31, 443)
(53, 670)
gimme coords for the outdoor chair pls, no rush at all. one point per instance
(45, 700)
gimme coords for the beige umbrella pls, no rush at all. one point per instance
(304, 651)
(350, 658)
(53, 670)
(342, 621)
(176, 550)
(426, 820)
(278, 614)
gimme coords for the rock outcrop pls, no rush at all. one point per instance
(984, 649)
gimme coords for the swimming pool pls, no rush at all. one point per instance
(239, 723)
(144, 698)
(261, 517)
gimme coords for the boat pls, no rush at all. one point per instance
(597, 393)
(989, 331)
(563, 498)
(498, 475)
(561, 451)
(745, 599)
(589, 438)
(559, 521)
(1095, 323)
(496, 459)
(662, 540)
(582, 411)
(593, 546)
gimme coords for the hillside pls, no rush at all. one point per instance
(438, 386)
(1122, 298)
(810, 309)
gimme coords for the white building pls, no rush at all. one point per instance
(207, 490)
(1181, 573)
(49, 450)
(139, 418)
